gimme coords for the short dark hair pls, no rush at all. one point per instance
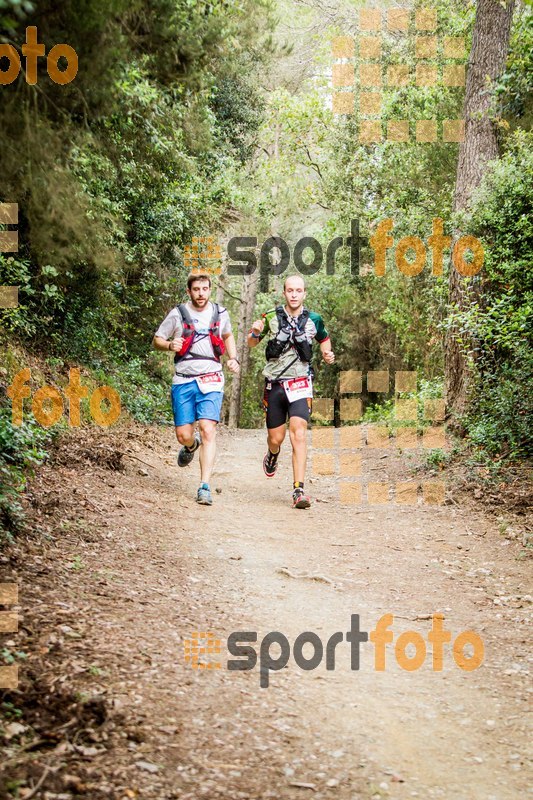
(198, 276)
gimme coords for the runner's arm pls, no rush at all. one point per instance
(160, 343)
(256, 333)
(327, 353)
(231, 349)
(167, 331)
(322, 337)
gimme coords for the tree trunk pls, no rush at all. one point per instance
(221, 286)
(258, 281)
(249, 293)
(488, 57)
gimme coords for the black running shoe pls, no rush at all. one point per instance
(270, 464)
(186, 455)
(300, 499)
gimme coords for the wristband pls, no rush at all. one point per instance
(254, 335)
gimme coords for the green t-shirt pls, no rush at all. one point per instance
(288, 365)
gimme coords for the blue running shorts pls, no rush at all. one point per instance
(189, 404)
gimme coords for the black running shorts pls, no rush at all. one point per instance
(278, 408)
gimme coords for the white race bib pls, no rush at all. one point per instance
(213, 382)
(298, 388)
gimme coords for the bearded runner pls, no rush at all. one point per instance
(289, 378)
(198, 333)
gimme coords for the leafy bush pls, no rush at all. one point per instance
(144, 392)
(500, 420)
(500, 318)
(513, 90)
(18, 321)
(22, 447)
(384, 412)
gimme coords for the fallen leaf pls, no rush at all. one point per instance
(13, 729)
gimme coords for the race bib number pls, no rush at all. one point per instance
(213, 382)
(298, 388)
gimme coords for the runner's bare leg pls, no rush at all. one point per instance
(185, 434)
(208, 430)
(298, 434)
(275, 437)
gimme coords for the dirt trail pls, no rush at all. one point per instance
(165, 567)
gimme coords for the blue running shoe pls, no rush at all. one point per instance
(204, 495)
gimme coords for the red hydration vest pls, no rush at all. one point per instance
(191, 335)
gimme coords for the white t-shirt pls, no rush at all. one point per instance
(172, 327)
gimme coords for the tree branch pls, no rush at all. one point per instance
(232, 295)
(313, 163)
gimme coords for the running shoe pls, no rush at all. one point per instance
(300, 499)
(204, 495)
(186, 455)
(270, 464)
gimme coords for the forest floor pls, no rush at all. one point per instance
(122, 566)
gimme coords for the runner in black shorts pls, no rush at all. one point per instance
(288, 380)
(278, 408)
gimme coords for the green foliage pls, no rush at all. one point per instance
(18, 321)
(438, 458)
(166, 134)
(323, 177)
(384, 412)
(22, 447)
(117, 171)
(500, 320)
(513, 91)
(144, 390)
(142, 386)
(500, 420)
(123, 166)
(10, 710)
(13, 12)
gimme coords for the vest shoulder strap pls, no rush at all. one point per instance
(282, 316)
(216, 314)
(186, 317)
(302, 319)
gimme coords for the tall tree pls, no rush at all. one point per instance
(488, 57)
(248, 297)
